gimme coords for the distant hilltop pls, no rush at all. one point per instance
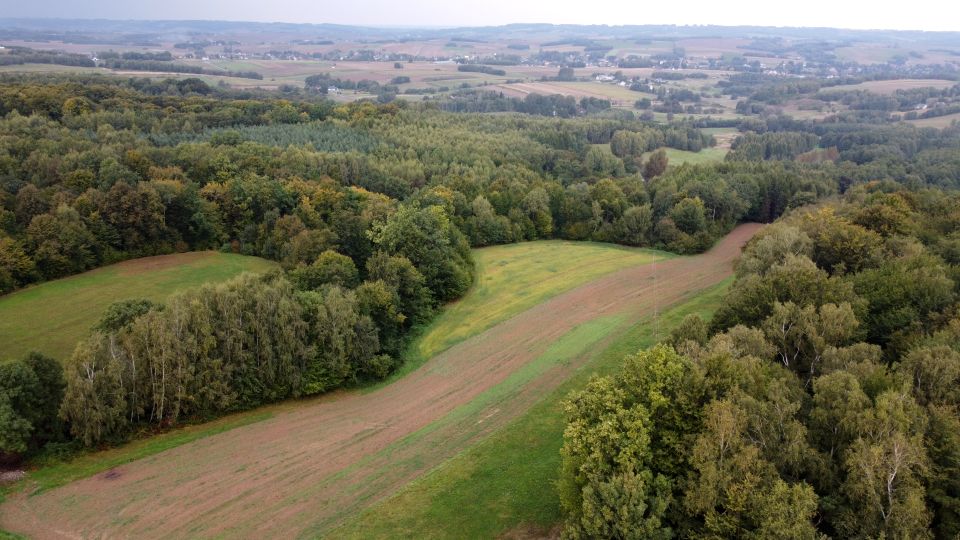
(147, 31)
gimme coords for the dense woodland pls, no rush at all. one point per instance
(822, 399)
(847, 307)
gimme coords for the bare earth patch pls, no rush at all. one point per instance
(301, 473)
(160, 262)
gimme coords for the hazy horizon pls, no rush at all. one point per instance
(923, 15)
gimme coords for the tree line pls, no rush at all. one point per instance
(100, 172)
(232, 346)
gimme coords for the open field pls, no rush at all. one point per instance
(516, 277)
(879, 53)
(868, 53)
(335, 456)
(52, 317)
(508, 480)
(619, 96)
(707, 155)
(680, 157)
(50, 68)
(889, 87)
(723, 136)
(936, 121)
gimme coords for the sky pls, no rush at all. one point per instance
(914, 15)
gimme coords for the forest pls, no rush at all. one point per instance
(819, 400)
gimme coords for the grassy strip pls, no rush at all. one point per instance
(703, 157)
(55, 473)
(574, 343)
(511, 279)
(507, 481)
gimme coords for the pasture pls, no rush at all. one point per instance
(367, 445)
(52, 317)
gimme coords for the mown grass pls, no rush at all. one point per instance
(507, 481)
(679, 157)
(514, 278)
(705, 156)
(52, 317)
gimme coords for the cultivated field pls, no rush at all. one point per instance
(509, 479)
(53, 316)
(330, 458)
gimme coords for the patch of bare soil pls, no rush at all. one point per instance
(302, 472)
(532, 532)
(160, 262)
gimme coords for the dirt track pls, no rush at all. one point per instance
(301, 472)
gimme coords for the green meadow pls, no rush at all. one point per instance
(52, 317)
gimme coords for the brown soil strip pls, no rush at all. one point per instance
(301, 472)
(160, 262)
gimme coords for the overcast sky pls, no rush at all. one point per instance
(913, 15)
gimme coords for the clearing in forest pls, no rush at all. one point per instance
(52, 317)
(303, 471)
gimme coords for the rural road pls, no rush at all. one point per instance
(303, 471)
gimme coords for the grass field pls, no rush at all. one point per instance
(507, 481)
(936, 121)
(53, 316)
(723, 136)
(619, 96)
(707, 155)
(515, 277)
(889, 87)
(50, 68)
